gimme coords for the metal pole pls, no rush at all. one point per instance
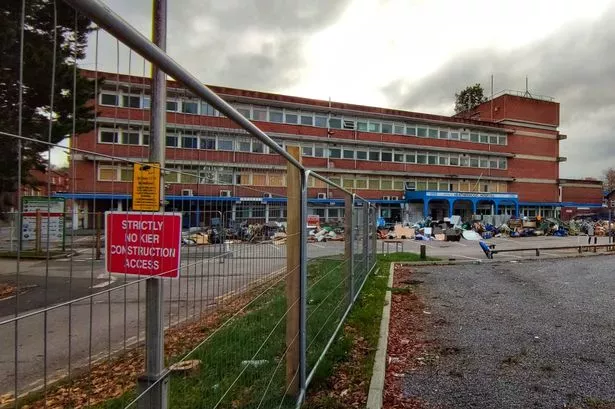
(155, 374)
(303, 288)
(609, 227)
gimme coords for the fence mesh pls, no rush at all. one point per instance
(266, 277)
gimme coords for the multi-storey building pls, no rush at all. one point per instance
(501, 158)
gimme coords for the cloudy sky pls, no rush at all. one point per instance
(407, 54)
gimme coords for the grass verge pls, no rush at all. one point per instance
(342, 380)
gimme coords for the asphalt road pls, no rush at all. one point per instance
(111, 311)
(533, 334)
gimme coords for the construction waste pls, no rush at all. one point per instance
(487, 227)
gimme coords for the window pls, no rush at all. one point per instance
(362, 126)
(454, 160)
(398, 157)
(374, 155)
(126, 174)
(484, 138)
(348, 123)
(387, 156)
(421, 158)
(292, 118)
(387, 128)
(225, 144)
(307, 150)
(454, 136)
(465, 136)
(443, 134)
(474, 137)
(191, 107)
(225, 177)
(410, 130)
(348, 154)
(146, 102)
(421, 185)
(493, 139)
(108, 99)
(432, 159)
(360, 183)
(243, 110)
(276, 116)
(433, 133)
(319, 152)
(443, 185)
(108, 174)
(361, 155)
(398, 184)
(130, 101)
(398, 129)
(501, 140)
(410, 185)
(493, 163)
(443, 160)
(171, 140)
(374, 127)
(130, 138)
(422, 132)
(259, 179)
(386, 184)
(348, 183)
(276, 179)
(109, 136)
(243, 178)
(145, 139)
(432, 185)
(335, 123)
(208, 143)
(258, 147)
(207, 109)
(335, 153)
(502, 163)
(473, 162)
(307, 120)
(243, 146)
(172, 106)
(483, 163)
(259, 114)
(320, 121)
(190, 142)
(374, 184)
(464, 161)
(411, 157)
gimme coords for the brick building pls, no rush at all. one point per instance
(501, 158)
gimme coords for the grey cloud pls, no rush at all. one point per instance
(255, 44)
(575, 65)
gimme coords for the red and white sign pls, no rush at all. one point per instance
(313, 220)
(143, 243)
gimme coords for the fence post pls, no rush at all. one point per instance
(366, 221)
(37, 245)
(303, 288)
(155, 380)
(98, 224)
(348, 244)
(293, 271)
(375, 235)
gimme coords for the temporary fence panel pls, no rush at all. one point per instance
(260, 293)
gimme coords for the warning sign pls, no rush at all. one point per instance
(143, 243)
(146, 187)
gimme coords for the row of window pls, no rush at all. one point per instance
(192, 174)
(322, 120)
(223, 143)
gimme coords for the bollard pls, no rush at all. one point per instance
(537, 252)
(423, 252)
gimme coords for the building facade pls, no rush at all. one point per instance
(501, 158)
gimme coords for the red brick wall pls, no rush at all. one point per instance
(535, 192)
(535, 169)
(512, 107)
(582, 194)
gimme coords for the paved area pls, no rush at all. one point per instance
(529, 334)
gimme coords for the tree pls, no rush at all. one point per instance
(609, 179)
(71, 41)
(469, 98)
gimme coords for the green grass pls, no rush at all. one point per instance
(363, 322)
(258, 335)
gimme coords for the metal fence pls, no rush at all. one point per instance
(260, 297)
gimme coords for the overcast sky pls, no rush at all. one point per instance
(408, 54)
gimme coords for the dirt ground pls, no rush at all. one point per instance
(535, 334)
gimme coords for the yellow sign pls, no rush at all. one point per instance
(146, 187)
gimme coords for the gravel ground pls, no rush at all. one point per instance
(534, 334)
